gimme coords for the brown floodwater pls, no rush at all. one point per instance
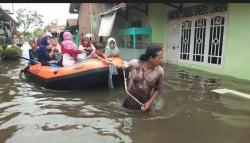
(186, 112)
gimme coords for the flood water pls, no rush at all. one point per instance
(186, 112)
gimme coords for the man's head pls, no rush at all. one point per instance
(99, 48)
(33, 44)
(85, 42)
(153, 55)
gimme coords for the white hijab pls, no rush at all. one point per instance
(116, 50)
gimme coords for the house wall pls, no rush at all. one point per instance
(89, 12)
(156, 19)
(237, 47)
(119, 23)
(84, 19)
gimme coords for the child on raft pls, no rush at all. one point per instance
(111, 49)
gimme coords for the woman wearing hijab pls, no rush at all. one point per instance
(111, 49)
(44, 56)
(69, 50)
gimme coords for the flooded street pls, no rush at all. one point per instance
(187, 111)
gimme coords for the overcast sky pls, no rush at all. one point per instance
(50, 11)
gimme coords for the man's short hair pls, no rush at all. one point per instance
(98, 45)
(32, 42)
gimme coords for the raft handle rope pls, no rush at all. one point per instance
(74, 65)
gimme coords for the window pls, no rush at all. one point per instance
(185, 40)
(202, 33)
(216, 40)
(199, 40)
(202, 39)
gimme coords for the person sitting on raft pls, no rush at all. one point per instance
(87, 44)
(111, 49)
(55, 44)
(98, 52)
(146, 78)
(33, 52)
(57, 57)
(69, 50)
(44, 56)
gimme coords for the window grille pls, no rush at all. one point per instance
(199, 40)
(185, 40)
(216, 40)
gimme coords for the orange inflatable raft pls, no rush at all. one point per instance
(85, 74)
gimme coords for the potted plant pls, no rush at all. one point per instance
(11, 53)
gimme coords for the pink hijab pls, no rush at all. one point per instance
(67, 42)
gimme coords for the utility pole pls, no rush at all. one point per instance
(11, 12)
(13, 8)
(90, 18)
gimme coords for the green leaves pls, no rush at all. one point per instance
(27, 19)
(11, 53)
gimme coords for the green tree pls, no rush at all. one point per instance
(38, 32)
(27, 19)
(27, 36)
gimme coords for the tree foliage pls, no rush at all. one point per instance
(27, 19)
(38, 33)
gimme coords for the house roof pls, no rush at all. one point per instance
(74, 8)
(114, 8)
(5, 16)
(55, 28)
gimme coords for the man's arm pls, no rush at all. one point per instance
(150, 102)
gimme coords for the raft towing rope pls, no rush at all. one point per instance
(125, 80)
(126, 89)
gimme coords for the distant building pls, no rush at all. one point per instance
(88, 16)
(7, 28)
(55, 30)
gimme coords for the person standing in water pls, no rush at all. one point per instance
(146, 78)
